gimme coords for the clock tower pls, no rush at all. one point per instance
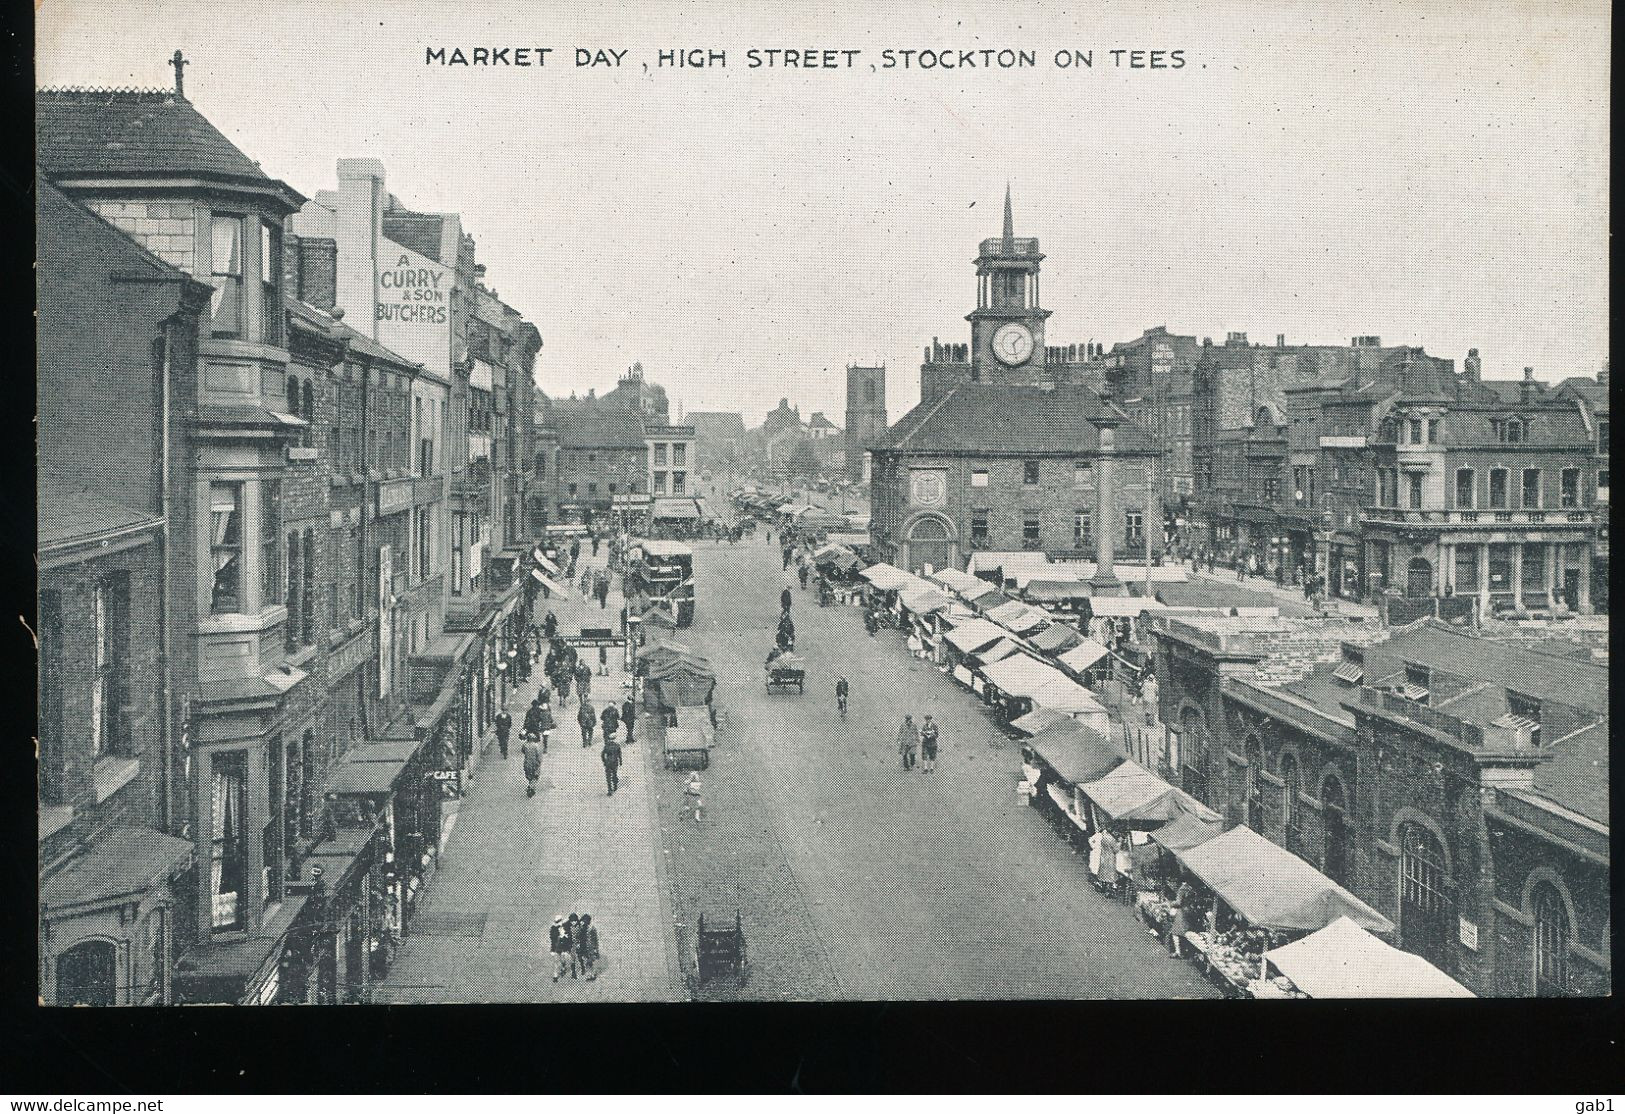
(1007, 326)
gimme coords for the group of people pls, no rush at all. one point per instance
(573, 944)
(595, 584)
(922, 740)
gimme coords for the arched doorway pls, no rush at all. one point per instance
(1424, 906)
(930, 545)
(1551, 943)
(1335, 864)
(1419, 578)
(87, 974)
(1193, 753)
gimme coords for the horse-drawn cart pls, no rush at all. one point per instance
(786, 672)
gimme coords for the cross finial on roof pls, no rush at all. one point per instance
(179, 62)
(1009, 220)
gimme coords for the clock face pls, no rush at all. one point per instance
(1013, 343)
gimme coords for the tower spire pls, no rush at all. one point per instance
(1009, 220)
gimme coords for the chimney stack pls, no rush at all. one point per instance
(1280, 340)
(1528, 375)
(1602, 376)
(1473, 367)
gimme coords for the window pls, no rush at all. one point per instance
(1272, 489)
(1510, 430)
(1414, 483)
(1500, 567)
(50, 700)
(293, 396)
(226, 262)
(978, 477)
(660, 453)
(111, 606)
(291, 641)
(679, 481)
(1080, 530)
(1466, 568)
(541, 466)
(271, 282)
(592, 489)
(1133, 528)
(1416, 431)
(572, 489)
(1029, 472)
(1571, 487)
(868, 391)
(227, 851)
(660, 483)
(679, 456)
(1602, 485)
(270, 543)
(1433, 431)
(1498, 489)
(307, 595)
(332, 606)
(1602, 435)
(309, 414)
(1464, 489)
(1551, 943)
(1526, 707)
(271, 845)
(1083, 474)
(1534, 567)
(978, 528)
(1531, 488)
(613, 488)
(1030, 531)
(226, 547)
(1290, 823)
(422, 540)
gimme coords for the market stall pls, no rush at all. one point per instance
(1038, 719)
(1343, 960)
(1017, 617)
(1017, 679)
(1055, 639)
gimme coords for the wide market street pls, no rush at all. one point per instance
(907, 885)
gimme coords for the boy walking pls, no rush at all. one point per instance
(559, 946)
(611, 756)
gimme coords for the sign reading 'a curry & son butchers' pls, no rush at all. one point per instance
(413, 294)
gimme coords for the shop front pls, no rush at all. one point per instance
(341, 944)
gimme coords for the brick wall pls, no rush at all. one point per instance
(1522, 861)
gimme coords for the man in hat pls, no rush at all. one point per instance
(586, 945)
(611, 757)
(559, 945)
(629, 717)
(928, 746)
(588, 719)
(611, 720)
(908, 740)
(504, 724)
(535, 718)
(583, 673)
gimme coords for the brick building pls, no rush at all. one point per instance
(603, 462)
(1470, 810)
(1150, 378)
(118, 335)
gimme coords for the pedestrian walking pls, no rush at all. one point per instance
(588, 719)
(535, 717)
(575, 549)
(603, 592)
(571, 927)
(928, 745)
(595, 545)
(550, 625)
(787, 553)
(610, 755)
(629, 717)
(603, 661)
(610, 719)
(562, 683)
(801, 575)
(559, 945)
(908, 741)
(584, 678)
(1185, 919)
(533, 765)
(504, 724)
(785, 600)
(586, 946)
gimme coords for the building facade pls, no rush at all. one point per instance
(1150, 378)
(865, 417)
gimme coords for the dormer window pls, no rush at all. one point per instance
(1416, 684)
(1526, 709)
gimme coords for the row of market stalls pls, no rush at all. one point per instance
(1259, 920)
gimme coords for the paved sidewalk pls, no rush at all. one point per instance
(514, 862)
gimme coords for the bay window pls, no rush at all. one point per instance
(226, 547)
(271, 282)
(226, 266)
(228, 851)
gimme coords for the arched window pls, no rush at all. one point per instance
(307, 594)
(1264, 418)
(293, 395)
(1253, 802)
(1387, 430)
(1551, 942)
(87, 974)
(1335, 861)
(1290, 777)
(1424, 903)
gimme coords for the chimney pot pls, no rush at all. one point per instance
(1528, 374)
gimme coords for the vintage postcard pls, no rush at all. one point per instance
(564, 504)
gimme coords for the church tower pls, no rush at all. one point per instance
(865, 416)
(1007, 326)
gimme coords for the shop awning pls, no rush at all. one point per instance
(1076, 754)
(1007, 562)
(1021, 675)
(1343, 960)
(1056, 638)
(1120, 606)
(541, 559)
(123, 861)
(1065, 695)
(676, 508)
(923, 601)
(1272, 888)
(1126, 790)
(884, 576)
(974, 593)
(973, 635)
(1188, 830)
(1083, 655)
(552, 585)
(366, 779)
(681, 685)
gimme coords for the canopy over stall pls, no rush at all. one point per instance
(657, 658)
(977, 592)
(957, 581)
(885, 577)
(1076, 754)
(923, 601)
(1048, 590)
(996, 651)
(550, 584)
(1186, 831)
(1056, 638)
(1343, 960)
(973, 635)
(1017, 616)
(850, 540)
(1063, 694)
(1038, 719)
(1083, 655)
(1273, 888)
(1021, 675)
(1132, 792)
(1117, 607)
(681, 683)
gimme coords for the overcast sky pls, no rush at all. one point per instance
(1432, 177)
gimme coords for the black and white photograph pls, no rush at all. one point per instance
(708, 503)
